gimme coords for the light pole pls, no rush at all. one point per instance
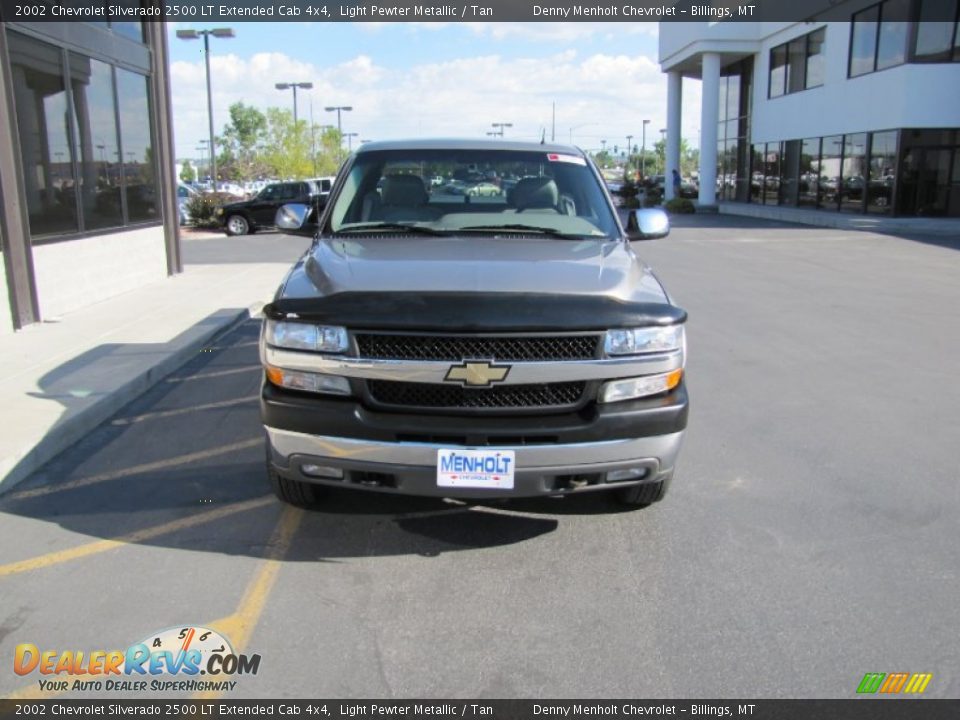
(293, 86)
(501, 126)
(339, 109)
(629, 148)
(202, 147)
(193, 35)
(350, 137)
(643, 152)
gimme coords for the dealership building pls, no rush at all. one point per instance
(86, 165)
(854, 110)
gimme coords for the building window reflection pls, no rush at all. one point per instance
(96, 131)
(81, 171)
(46, 143)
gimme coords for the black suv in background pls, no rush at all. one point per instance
(248, 216)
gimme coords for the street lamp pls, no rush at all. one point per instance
(501, 126)
(643, 152)
(193, 35)
(350, 137)
(339, 108)
(294, 86)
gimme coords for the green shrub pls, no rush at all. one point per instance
(202, 208)
(679, 206)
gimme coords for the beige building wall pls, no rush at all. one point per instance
(76, 273)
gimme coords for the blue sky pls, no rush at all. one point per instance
(447, 79)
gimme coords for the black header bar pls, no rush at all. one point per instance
(234, 11)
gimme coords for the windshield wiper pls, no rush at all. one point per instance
(368, 227)
(519, 228)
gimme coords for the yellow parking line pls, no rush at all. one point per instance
(75, 553)
(240, 626)
(135, 470)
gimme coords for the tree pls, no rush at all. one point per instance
(287, 145)
(239, 157)
(187, 172)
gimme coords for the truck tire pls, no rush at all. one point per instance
(294, 492)
(237, 225)
(640, 496)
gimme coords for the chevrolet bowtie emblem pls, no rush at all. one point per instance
(477, 374)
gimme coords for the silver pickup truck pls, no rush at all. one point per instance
(471, 321)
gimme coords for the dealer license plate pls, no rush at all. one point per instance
(462, 468)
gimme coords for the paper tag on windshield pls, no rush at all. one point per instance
(556, 157)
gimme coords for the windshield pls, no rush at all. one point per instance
(440, 192)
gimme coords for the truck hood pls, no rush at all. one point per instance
(415, 264)
(473, 284)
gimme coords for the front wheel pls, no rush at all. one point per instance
(237, 225)
(640, 496)
(295, 492)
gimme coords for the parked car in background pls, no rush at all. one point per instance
(248, 216)
(184, 193)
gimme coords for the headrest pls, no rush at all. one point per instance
(536, 192)
(403, 190)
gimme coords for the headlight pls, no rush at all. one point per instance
(633, 388)
(635, 341)
(301, 336)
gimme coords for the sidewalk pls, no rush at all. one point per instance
(64, 378)
(942, 227)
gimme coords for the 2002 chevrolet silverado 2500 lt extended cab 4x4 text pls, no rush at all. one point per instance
(439, 341)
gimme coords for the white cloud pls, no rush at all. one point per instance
(600, 96)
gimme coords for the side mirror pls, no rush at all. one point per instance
(295, 219)
(647, 224)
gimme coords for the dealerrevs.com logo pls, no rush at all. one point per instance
(184, 653)
(894, 683)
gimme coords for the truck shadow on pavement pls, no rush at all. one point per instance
(182, 467)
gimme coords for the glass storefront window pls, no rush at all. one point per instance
(830, 155)
(139, 171)
(854, 172)
(789, 172)
(778, 71)
(733, 96)
(771, 174)
(935, 38)
(96, 131)
(796, 65)
(809, 177)
(892, 41)
(46, 143)
(883, 167)
(815, 69)
(863, 41)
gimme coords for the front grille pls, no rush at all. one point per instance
(478, 347)
(450, 397)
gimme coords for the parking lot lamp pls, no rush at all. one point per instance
(339, 109)
(293, 86)
(193, 35)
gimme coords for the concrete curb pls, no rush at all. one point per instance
(74, 428)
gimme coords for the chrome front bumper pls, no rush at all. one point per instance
(410, 468)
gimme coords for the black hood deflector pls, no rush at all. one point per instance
(474, 312)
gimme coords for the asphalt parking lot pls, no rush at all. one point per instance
(809, 537)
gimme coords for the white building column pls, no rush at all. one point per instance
(709, 116)
(674, 94)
